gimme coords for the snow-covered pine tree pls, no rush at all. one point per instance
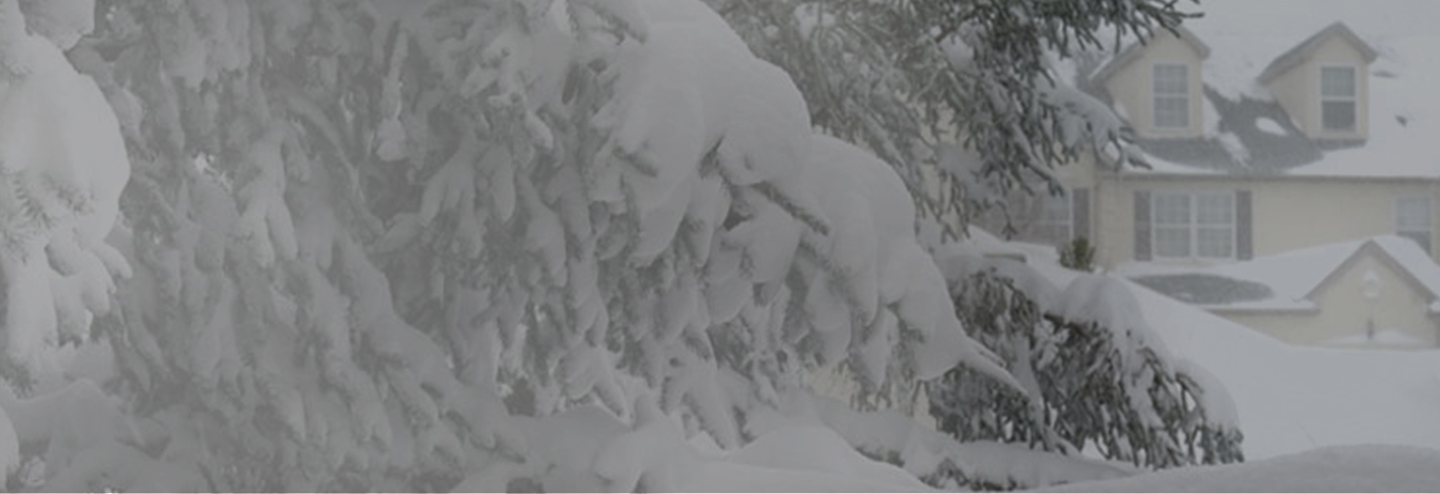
(1093, 373)
(901, 78)
(905, 77)
(57, 198)
(389, 244)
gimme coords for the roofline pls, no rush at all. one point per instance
(1370, 246)
(1310, 308)
(1132, 51)
(1301, 52)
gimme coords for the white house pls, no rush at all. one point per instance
(1260, 144)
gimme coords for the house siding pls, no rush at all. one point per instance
(1343, 310)
(1285, 214)
(1131, 87)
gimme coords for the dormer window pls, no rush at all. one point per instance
(1171, 86)
(1337, 98)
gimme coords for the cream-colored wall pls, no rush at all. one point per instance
(1079, 173)
(1343, 310)
(1298, 90)
(1131, 87)
(1285, 214)
(1299, 94)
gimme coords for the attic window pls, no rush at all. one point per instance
(1170, 83)
(1337, 98)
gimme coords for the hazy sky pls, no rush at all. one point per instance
(1370, 17)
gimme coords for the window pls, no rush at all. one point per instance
(1413, 221)
(1054, 224)
(1215, 225)
(1337, 98)
(1171, 84)
(1193, 225)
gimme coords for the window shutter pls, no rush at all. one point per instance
(1080, 214)
(1142, 225)
(1244, 227)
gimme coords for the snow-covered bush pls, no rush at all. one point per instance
(1094, 376)
(1078, 254)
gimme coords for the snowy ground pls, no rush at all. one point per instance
(1333, 469)
(1292, 398)
(1315, 419)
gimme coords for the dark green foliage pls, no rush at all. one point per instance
(1078, 255)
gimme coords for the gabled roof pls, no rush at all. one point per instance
(1303, 51)
(1134, 50)
(1401, 255)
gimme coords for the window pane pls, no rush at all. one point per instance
(1215, 242)
(1337, 82)
(1171, 209)
(1172, 242)
(1413, 220)
(1172, 112)
(1170, 85)
(1338, 115)
(1413, 213)
(1170, 79)
(1215, 209)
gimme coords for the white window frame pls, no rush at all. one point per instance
(1156, 96)
(1353, 98)
(1404, 228)
(1192, 226)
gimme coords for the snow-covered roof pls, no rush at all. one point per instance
(1295, 56)
(1132, 52)
(1248, 133)
(1294, 278)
